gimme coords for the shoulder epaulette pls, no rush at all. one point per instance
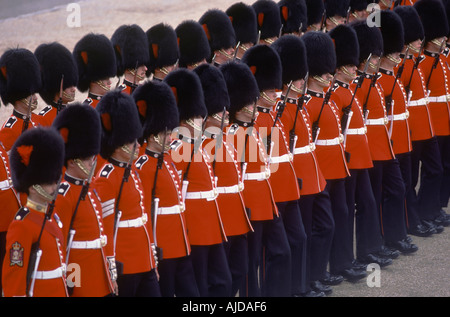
(233, 129)
(10, 123)
(22, 213)
(44, 111)
(141, 161)
(88, 101)
(106, 170)
(122, 87)
(63, 188)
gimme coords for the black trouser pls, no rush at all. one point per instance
(341, 254)
(293, 224)
(444, 147)
(269, 271)
(424, 203)
(177, 278)
(236, 249)
(389, 192)
(363, 213)
(212, 272)
(143, 284)
(319, 228)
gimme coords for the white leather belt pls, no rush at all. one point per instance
(258, 176)
(327, 142)
(6, 184)
(305, 149)
(443, 98)
(401, 116)
(231, 189)
(418, 102)
(134, 223)
(282, 159)
(177, 209)
(93, 244)
(358, 131)
(48, 275)
(379, 121)
(208, 195)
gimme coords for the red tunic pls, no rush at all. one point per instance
(306, 164)
(419, 115)
(230, 186)
(331, 157)
(283, 178)
(22, 233)
(258, 196)
(94, 261)
(203, 219)
(171, 228)
(356, 142)
(376, 121)
(134, 237)
(8, 196)
(439, 91)
(12, 128)
(47, 115)
(398, 115)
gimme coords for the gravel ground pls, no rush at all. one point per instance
(423, 274)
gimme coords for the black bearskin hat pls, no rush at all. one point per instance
(219, 30)
(214, 88)
(346, 45)
(292, 52)
(120, 121)
(391, 27)
(187, 88)
(80, 127)
(192, 42)
(56, 63)
(268, 18)
(243, 19)
(265, 65)
(433, 17)
(95, 58)
(412, 26)
(157, 108)
(315, 10)
(131, 47)
(241, 85)
(163, 47)
(293, 15)
(358, 5)
(37, 158)
(320, 53)
(369, 38)
(20, 76)
(336, 8)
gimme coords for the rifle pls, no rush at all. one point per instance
(372, 84)
(195, 148)
(416, 65)
(81, 197)
(280, 109)
(59, 102)
(315, 125)
(236, 51)
(436, 61)
(219, 137)
(388, 98)
(36, 252)
(27, 120)
(133, 87)
(346, 110)
(300, 101)
(247, 134)
(155, 200)
(126, 175)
